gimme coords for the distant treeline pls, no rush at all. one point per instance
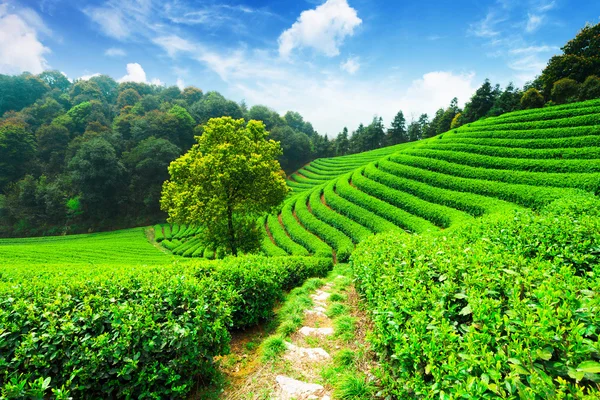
(93, 154)
(569, 77)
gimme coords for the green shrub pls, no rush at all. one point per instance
(158, 233)
(435, 214)
(502, 308)
(354, 230)
(282, 239)
(141, 332)
(300, 235)
(532, 98)
(336, 239)
(354, 212)
(261, 282)
(586, 181)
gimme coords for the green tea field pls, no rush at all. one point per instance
(525, 159)
(126, 247)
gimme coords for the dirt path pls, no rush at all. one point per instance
(322, 356)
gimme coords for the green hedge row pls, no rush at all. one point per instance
(339, 241)
(587, 182)
(168, 232)
(324, 171)
(548, 133)
(425, 213)
(560, 143)
(192, 250)
(503, 308)
(582, 153)
(158, 233)
(267, 246)
(318, 176)
(261, 282)
(300, 235)
(140, 332)
(588, 103)
(549, 114)
(354, 230)
(282, 239)
(385, 210)
(584, 120)
(185, 246)
(527, 196)
(516, 164)
(473, 204)
(354, 212)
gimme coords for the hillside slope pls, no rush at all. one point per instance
(522, 159)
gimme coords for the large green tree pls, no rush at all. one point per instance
(225, 181)
(17, 150)
(580, 59)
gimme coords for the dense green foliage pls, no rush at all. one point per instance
(504, 307)
(109, 145)
(123, 331)
(224, 182)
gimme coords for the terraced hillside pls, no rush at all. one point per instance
(522, 159)
(325, 169)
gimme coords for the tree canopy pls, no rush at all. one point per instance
(225, 181)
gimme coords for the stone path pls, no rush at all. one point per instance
(304, 358)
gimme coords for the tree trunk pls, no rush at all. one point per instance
(231, 232)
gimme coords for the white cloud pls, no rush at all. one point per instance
(109, 20)
(534, 21)
(487, 27)
(115, 52)
(174, 44)
(533, 49)
(323, 29)
(135, 73)
(20, 48)
(180, 84)
(89, 76)
(351, 65)
(124, 19)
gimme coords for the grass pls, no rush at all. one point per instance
(123, 247)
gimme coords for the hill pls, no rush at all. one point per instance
(524, 159)
(128, 247)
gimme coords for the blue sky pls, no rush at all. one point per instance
(337, 62)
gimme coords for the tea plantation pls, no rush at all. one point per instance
(475, 254)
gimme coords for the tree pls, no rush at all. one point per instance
(17, 150)
(342, 144)
(509, 100)
(457, 121)
(580, 59)
(565, 90)
(481, 102)
(214, 105)
(532, 98)
(375, 134)
(55, 80)
(148, 164)
(590, 89)
(397, 132)
(269, 117)
(97, 174)
(128, 97)
(191, 95)
(225, 181)
(52, 141)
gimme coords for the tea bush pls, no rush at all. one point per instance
(132, 332)
(504, 307)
